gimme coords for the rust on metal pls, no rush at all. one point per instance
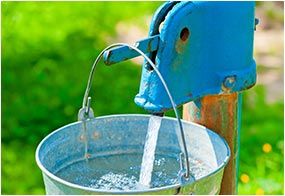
(82, 137)
(87, 156)
(149, 48)
(184, 34)
(220, 114)
(180, 46)
(182, 41)
(96, 135)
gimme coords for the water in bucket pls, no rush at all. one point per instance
(122, 171)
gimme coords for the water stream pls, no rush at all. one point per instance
(149, 151)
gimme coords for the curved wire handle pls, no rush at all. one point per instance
(86, 99)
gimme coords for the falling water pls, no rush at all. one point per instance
(149, 151)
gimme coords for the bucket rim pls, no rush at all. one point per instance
(156, 189)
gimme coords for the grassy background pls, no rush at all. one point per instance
(47, 51)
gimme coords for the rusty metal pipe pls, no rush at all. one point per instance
(222, 114)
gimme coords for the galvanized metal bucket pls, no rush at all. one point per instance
(125, 134)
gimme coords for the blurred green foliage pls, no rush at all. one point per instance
(47, 52)
(261, 124)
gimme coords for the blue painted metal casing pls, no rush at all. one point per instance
(216, 57)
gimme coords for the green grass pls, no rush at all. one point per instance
(261, 124)
(47, 52)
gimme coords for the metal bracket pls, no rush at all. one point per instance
(123, 53)
(86, 112)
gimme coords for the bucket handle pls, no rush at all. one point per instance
(86, 111)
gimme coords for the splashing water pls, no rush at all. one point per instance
(149, 151)
(121, 171)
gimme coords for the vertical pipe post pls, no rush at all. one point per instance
(222, 114)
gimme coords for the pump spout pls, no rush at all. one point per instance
(203, 48)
